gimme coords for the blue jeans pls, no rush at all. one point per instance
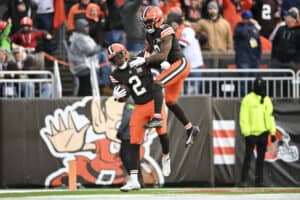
(116, 36)
(46, 90)
(8, 90)
(27, 90)
(135, 46)
(195, 86)
(103, 72)
(44, 21)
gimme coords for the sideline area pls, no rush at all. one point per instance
(154, 193)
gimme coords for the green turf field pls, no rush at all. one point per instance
(158, 191)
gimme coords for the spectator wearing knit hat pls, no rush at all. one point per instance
(217, 29)
(204, 10)
(286, 43)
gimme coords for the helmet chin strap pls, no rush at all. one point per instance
(124, 66)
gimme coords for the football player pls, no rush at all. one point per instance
(140, 81)
(162, 45)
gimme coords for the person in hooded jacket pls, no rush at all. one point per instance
(257, 123)
(82, 48)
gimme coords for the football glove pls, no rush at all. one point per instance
(119, 92)
(165, 65)
(138, 61)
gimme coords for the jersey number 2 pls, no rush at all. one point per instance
(266, 12)
(137, 85)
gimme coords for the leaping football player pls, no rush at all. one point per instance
(162, 45)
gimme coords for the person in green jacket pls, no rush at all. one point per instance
(5, 28)
(256, 123)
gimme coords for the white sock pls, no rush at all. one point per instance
(166, 156)
(134, 175)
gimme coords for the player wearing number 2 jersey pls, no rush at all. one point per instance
(139, 80)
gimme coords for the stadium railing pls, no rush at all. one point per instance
(235, 83)
(298, 83)
(11, 83)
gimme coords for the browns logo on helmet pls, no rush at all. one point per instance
(152, 18)
(118, 55)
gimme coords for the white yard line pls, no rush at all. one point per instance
(166, 197)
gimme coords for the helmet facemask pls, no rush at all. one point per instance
(118, 59)
(149, 25)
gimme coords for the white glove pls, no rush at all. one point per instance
(137, 62)
(165, 65)
(119, 92)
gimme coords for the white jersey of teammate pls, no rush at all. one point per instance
(192, 49)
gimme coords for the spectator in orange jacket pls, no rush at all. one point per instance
(95, 15)
(232, 10)
(167, 5)
(77, 11)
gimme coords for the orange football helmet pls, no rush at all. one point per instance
(152, 18)
(117, 55)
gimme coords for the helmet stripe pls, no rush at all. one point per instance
(110, 50)
(145, 11)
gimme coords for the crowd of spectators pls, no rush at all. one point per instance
(247, 27)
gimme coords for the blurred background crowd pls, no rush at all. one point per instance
(246, 29)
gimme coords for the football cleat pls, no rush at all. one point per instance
(154, 123)
(130, 185)
(190, 134)
(166, 165)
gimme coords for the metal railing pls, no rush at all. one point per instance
(235, 83)
(298, 84)
(92, 62)
(30, 84)
(57, 86)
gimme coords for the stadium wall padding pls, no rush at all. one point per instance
(282, 162)
(30, 158)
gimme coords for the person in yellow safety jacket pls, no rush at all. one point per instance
(256, 123)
